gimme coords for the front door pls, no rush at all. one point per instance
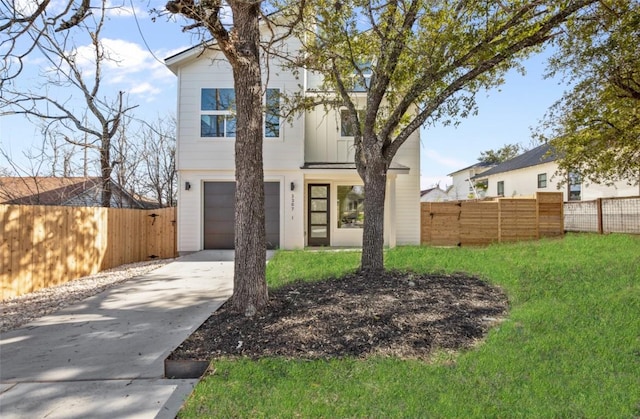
(318, 228)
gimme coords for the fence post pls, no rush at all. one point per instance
(599, 212)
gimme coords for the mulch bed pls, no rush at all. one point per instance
(396, 314)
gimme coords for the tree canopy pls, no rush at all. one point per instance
(416, 62)
(595, 127)
(504, 153)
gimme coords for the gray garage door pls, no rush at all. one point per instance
(219, 199)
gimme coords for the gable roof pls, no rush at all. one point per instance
(478, 165)
(539, 155)
(65, 191)
(426, 191)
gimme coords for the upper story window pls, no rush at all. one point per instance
(218, 109)
(272, 114)
(348, 125)
(542, 180)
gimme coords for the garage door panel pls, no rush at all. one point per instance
(219, 214)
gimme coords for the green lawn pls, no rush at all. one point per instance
(570, 346)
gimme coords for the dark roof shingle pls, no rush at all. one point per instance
(539, 155)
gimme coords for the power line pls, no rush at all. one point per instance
(144, 40)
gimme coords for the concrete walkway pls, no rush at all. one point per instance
(104, 357)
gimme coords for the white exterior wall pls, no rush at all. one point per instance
(593, 191)
(460, 186)
(407, 205)
(191, 211)
(201, 160)
(524, 182)
(197, 153)
(323, 142)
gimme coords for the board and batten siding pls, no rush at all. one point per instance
(408, 193)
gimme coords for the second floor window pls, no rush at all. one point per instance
(542, 180)
(217, 117)
(347, 125)
(218, 113)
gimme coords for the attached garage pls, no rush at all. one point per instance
(219, 214)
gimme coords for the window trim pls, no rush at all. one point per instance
(542, 180)
(360, 116)
(229, 114)
(500, 185)
(339, 222)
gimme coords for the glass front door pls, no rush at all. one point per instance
(318, 225)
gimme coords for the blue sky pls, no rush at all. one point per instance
(505, 115)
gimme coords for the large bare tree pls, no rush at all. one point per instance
(97, 116)
(21, 27)
(240, 44)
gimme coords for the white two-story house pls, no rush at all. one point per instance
(314, 196)
(535, 171)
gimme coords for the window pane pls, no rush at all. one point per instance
(231, 126)
(226, 100)
(217, 99)
(319, 218)
(319, 192)
(350, 206)
(319, 231)
(208, 99)
(211, 125)
(347, 127)
(318, 205)
(272, 116)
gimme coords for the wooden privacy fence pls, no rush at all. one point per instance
(43, 246)
(466, 223)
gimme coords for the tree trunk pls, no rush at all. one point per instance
(250, 287)
(375, 181)
(105, 170)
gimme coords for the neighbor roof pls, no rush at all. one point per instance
(479, 164)
(37, 190)
(539, 155)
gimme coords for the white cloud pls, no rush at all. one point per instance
(145, 89)
(130, 67)
(26, 7)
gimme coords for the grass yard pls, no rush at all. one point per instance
(569, 348)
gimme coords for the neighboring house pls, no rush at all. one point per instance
(64, 191)
(463, 187)
(535, 171)
(433, 195)
(313, 192)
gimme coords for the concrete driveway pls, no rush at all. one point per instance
(104, 357)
